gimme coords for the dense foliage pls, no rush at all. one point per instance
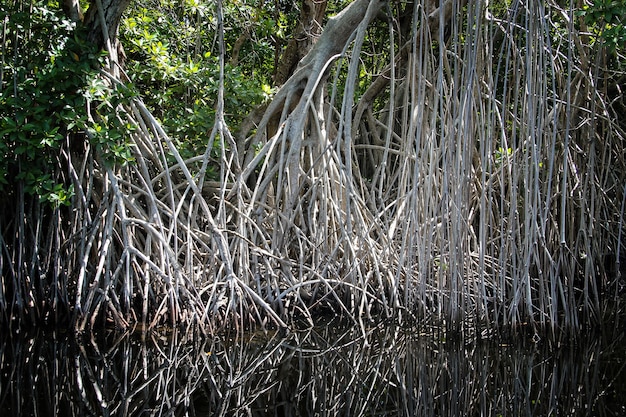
(53, 97)
(173, 60)
(607, 18)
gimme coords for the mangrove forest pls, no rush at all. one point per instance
(259, 164)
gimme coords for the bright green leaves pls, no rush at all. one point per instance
(608, 19)
(268, 92)
(173, 59)
(502, 156)
(52, 94)
(46, 188)
(107, 131)
(196, 7)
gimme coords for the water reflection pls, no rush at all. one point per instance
(326, 371)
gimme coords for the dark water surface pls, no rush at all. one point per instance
(332, 370)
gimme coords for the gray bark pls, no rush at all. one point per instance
(103, 19)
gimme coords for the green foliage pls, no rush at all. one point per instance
(173, 60)
(50, 79)
(502, 156)
(607, 18)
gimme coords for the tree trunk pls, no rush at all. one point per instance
(103, 20)
(313, 65)
(304, 37)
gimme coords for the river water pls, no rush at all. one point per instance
(334, 369)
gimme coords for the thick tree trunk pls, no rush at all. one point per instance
(314, 64)
(73, 10)
(306, 34)
(294, 133)
(103, 20)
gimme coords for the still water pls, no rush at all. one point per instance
(330, 370)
